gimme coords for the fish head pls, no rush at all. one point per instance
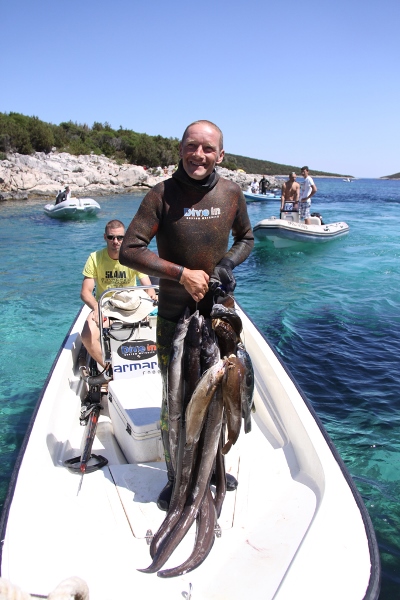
(229, 315)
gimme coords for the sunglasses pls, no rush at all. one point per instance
(115, 237)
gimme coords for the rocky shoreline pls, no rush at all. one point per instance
(41, 175)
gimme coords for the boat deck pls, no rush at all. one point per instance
(292, 498)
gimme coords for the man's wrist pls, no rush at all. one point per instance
(181, 269)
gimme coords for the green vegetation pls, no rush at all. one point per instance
(19, 133)
(395, 176)
(265, 167)
(25, 135)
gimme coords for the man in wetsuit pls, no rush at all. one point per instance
(263, 184)
(191, 214)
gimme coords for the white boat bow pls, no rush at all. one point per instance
(296, 526)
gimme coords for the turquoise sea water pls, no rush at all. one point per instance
(332, 312)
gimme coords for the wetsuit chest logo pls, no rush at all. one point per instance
(205, 213)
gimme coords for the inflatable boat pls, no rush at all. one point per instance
(289, 231)
(250, 197)
(73, 208)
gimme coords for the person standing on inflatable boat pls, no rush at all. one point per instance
(192, 215)
(308, 189)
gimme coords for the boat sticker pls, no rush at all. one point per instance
(137, 350)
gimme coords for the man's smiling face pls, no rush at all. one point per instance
(200, 150)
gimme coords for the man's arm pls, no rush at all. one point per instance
(242, 235)
(296, 195)
(87, 292)
(313, 190)
(151, 291)
(283, 195)
(88, 284)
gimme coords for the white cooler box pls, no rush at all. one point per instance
(135, 406)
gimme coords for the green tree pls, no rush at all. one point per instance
(41, 135)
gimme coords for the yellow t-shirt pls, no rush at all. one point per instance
(109, 273)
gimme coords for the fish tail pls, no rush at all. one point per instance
(205, 537)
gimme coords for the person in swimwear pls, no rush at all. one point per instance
(290, 194)
(191, 215)
(308, 189)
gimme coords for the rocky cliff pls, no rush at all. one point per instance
(43, 175)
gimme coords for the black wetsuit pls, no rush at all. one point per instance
(192, 221)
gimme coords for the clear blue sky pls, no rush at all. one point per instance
(312, 82)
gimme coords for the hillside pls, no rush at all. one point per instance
(254, 165)
(395, 176)
(25, 135)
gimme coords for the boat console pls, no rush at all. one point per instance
(290, 215)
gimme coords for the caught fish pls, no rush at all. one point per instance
(201, 398)
(191, 359)
(209, 353)
(205, 536)
(229, 315)
(184, 455)
(220, 474)
(231, 385)
(247, 387)
(201, 482)
(227, 337)
(175, 385)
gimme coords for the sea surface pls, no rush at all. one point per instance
(332, 311)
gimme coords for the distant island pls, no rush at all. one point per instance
(26, 135)
(395, 176)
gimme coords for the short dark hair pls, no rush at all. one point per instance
(304, 169)
(114, 224)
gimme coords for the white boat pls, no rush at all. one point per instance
(250, 197)
(73, 208)
(289, 231)
(296, 526)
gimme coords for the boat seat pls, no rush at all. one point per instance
(314, 221)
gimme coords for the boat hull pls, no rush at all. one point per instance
(296, 524)
(260, 197)
(75, 208)
(283, 233)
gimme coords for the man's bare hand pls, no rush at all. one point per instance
(95, 315)
(195, 283)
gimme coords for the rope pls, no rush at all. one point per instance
(73, 588)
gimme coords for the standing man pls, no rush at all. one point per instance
(290, 193)
(103, 271)
(192, 215)
(263, 184)
(308, 189)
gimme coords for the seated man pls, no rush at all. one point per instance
(103, 270)
(65, 195)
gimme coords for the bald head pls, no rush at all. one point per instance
(207, 124)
